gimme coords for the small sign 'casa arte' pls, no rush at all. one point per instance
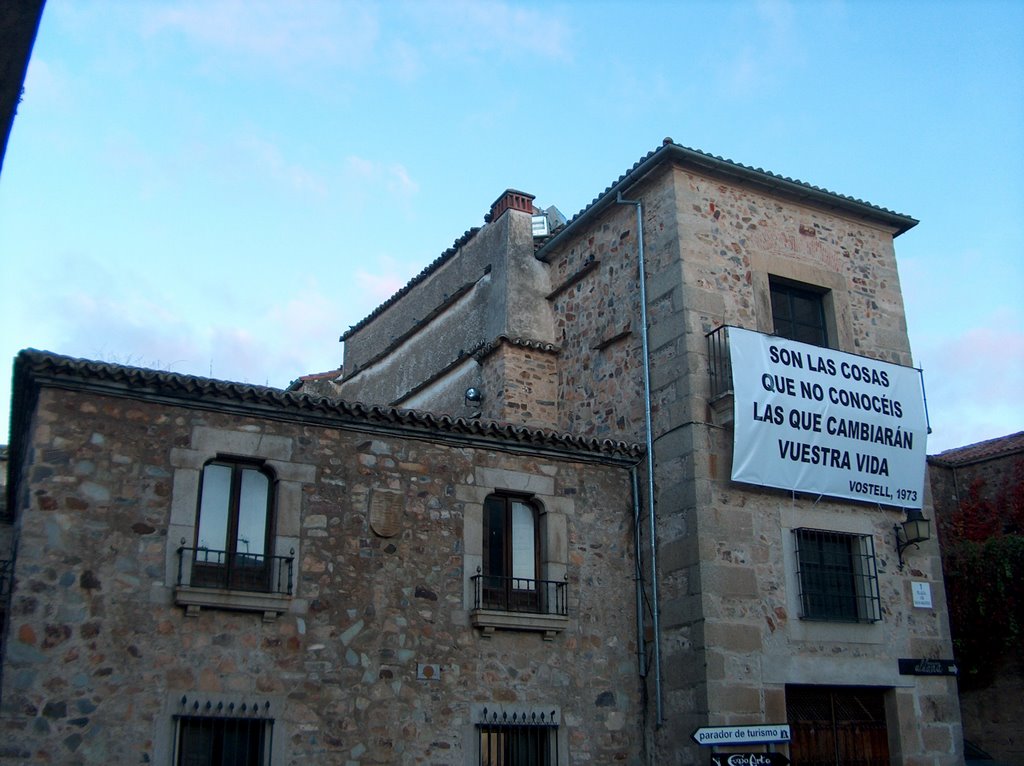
(922, 667)
(749, 759)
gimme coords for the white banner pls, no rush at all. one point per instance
(811, 419)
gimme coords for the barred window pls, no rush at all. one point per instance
(215, 734)
(518, 739)
(837, 576)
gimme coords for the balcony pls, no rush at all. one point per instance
(720, 375)
(240, 581)
(517, 603)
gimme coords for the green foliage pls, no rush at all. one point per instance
(983, 560)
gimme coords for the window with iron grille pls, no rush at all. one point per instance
(208, 734)
(837, 576)
(518, 739)
(798, 313)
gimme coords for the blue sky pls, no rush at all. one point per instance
(224, 187)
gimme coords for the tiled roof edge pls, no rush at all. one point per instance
(44, 366)
(537, 345)
(430, 269)
(990, 449)
(670, 150)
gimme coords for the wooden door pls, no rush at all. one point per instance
(837, 726)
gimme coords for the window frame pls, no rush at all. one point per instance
(276, 452)
(791, 291)
(553, 515)
(229, 575)
(836, 585)
(501, 736)
(500, 588)
(203, 715)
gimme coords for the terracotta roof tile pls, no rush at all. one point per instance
(34, 367)
(670, 150)
(986, 450)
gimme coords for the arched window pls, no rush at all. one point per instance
(510, 555)
(235, 526)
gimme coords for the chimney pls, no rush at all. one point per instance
(510, 199)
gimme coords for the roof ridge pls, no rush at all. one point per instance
(426, 272)
(668, 146)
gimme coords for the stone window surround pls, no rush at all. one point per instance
(552, 517)
(810, 630)
(862, 574)
(246, 443)
(835, 298)
(472, 735)
(165, 724)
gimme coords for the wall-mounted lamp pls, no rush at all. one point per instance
(474, 395)
(916, 529)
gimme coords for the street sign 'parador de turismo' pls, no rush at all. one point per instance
(742, 735)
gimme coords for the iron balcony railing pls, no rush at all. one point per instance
(719, 365)
(519, 594)
(208, 568)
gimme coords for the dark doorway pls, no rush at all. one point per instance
(837, 726)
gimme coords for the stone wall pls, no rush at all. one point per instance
(992, 715)
(418, 350)
(715, 236)
(520, 383)
(732, 634)
(990, 472)
(374, 661)
(596, 306)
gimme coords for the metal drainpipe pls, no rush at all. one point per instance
(638, 576)
(649, 444)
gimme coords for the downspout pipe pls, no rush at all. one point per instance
(649, 445)
(638, 575)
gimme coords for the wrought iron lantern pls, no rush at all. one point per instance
(916, 529)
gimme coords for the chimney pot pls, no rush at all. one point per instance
(511, 199)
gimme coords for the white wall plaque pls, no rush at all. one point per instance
(922, 594)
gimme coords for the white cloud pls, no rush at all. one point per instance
(462, 28)
(399, 182)
(45, 83)
(973, 382)
(754, 68)
(405, 62)
(381, 284)
(387, 183)
(290, 36)
(270, 160)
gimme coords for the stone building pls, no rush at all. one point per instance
(774, 600)
(206, 569)
(978, 491)
(592, 509)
